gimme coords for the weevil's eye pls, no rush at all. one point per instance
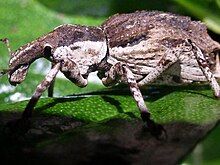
(189, 42)
(47, 50)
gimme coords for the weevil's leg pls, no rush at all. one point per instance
(125, 74)
(113, 76)
(200, 57)
(167, 60)
(51, 87)
(72, 72)
(121, 72)
(40, 89)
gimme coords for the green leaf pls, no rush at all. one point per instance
(182, 105)
(26, 88)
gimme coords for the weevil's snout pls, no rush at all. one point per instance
(17, 76)
(21, 60)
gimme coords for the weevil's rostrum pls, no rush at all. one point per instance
(137, 49)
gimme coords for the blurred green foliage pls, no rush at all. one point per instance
(25, 20)
(193, 106)
(98, 8)
(206, 10)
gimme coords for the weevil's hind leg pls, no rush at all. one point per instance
(167, 60)
(122, 72)
(51, 89)
(44, 85)
(200, 57)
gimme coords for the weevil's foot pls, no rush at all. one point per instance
(155, 129)
(17, 127)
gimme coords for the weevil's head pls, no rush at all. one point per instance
(22, 58)
(86, 46)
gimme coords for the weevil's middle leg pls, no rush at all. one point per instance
(51, 87)
(200, 57)
(125, 74)
(44, 85)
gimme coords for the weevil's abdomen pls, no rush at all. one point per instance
(140, 39)
(136, 39)
(129, 29)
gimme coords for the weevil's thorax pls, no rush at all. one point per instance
(85, 46)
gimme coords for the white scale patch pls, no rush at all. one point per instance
(138, 51)
(84, 54)
(137, 57)
(16, 97)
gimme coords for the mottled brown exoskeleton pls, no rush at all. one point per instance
(137, 49)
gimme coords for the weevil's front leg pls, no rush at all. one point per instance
(123, 73)
(167, 60)
(71, 71)
(200, 57)
(39, 91)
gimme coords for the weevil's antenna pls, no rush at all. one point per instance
(6, 41)
(3, 72)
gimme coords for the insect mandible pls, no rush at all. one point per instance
(136, 49)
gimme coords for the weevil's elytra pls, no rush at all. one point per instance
(137, 49)
(163, 32)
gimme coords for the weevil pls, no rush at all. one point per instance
(136, 49)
